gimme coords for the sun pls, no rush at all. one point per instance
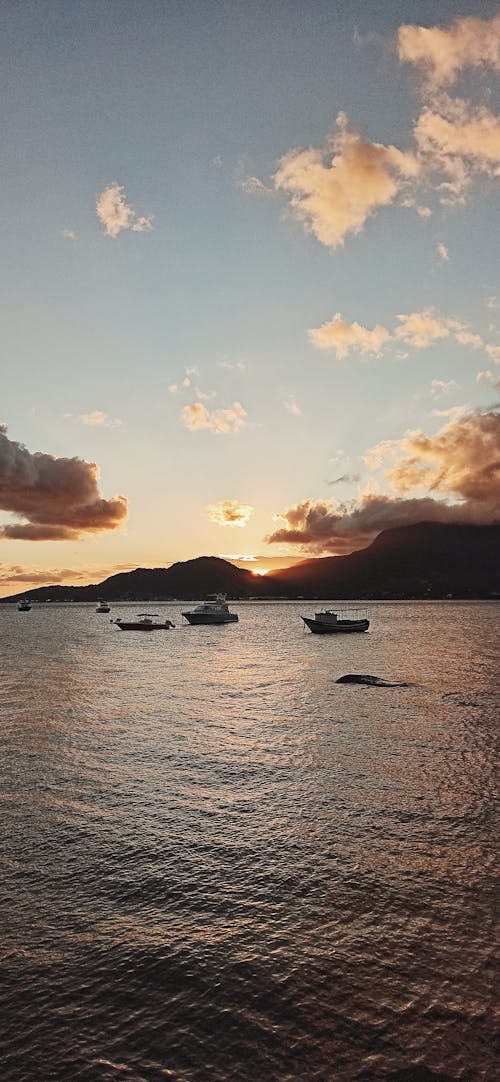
(257, 571)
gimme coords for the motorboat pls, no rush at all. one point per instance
(23, 605)
(102, 606)
(145, 622)
(212, 611)
(337, 621)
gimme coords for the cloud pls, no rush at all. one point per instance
(48, 577)
(461, 461)
(345, 478)
(98, 417)
(196, 416)
(292, 407)
(443, 252)
(421, 329)
(343, 337)
(417, 329)
(440, 54)
(467, 338)
(115, 215)
(488, 377)
(334, 190)
(69, 234)
(493, 352)
(230, 513)
(441, 386)
(57, 497)
(458, 139)
(226, 363)
(254, 186)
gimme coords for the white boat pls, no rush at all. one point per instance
(212, 611)
(331, 622)
(23, 605)
(102, 606)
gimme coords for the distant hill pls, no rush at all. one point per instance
(190, 580)
(430, 559)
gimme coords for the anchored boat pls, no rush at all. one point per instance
(213, 611)
(102, 606)
(331, 622)
(145, 622)
(23, 605)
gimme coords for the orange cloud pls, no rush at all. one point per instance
(421, 329)
(458, 139)
(230, 513)
(333, 191)
(57, 497)
(342, 337)
(462, 460)
(196, 417)
(115, 215)
(441, 54)
(99, 418)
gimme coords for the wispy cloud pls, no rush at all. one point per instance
(488, 377)
(55, 499)
(442, 53)
(230, 513)
(292, 406)
(116, 215)
(343, 337)
(441, 386)
(225, 362)
(69, 234)
(421, 329)
(254, 186)
(443, 252)
(99, 418)
(197, 417)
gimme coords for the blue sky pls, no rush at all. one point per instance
(209, 263)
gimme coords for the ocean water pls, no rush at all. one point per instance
(218, 864)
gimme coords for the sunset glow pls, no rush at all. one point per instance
(269, 307)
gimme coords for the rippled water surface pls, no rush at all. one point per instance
(218, 864)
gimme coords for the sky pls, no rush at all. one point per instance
(249, 286)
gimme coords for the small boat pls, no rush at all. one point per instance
(23, 605)
(330, 622)
(102, 606)
(144, 622)
(212, 611)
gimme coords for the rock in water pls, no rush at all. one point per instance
(372, 681)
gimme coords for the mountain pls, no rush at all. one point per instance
(427, 560)
(430, 559)
(190, 580)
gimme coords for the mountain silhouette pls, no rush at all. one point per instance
(427, 560)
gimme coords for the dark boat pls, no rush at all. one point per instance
(334, 623)
(144, 622)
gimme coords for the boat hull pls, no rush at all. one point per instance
(210, 618)
(341, 627)
(126, 626)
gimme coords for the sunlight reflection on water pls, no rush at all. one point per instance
(219, 863)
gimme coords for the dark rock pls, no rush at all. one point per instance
(372, 681)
